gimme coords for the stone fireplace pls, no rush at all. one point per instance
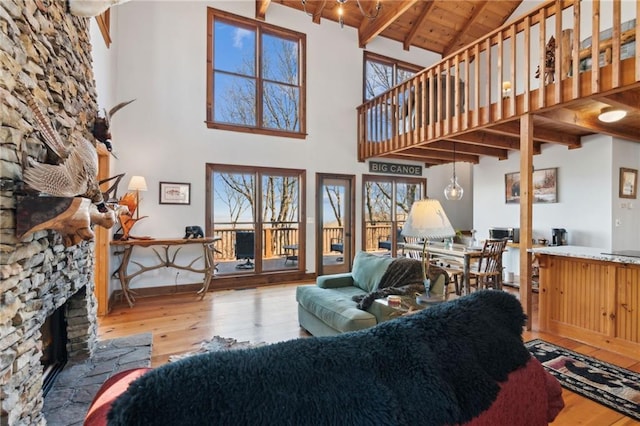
(47, 51)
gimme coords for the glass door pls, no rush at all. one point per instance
(257, 213)
(386, 202)
(335, 217)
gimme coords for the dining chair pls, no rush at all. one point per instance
(487, 272)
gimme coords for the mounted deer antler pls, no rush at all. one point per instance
(113, 189)
(77, 173)
(102, 126)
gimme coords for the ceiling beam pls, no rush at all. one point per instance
(479, 7)
(622, 99)
(512, 128)
(370, 29)
(486, 139)
(463, 148)
(423, 154)
(261, 9)
(426, 8)
(590, 123)
(428, 162)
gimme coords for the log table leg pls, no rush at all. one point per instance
(121, 273)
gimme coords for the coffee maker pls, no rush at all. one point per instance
(558, 237)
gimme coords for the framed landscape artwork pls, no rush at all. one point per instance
(545, 186)
(175, 193)
(628, 183)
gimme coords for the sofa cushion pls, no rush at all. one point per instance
(335, 307)
(368, 269)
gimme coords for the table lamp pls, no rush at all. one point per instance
(428, 221)
(137, 183)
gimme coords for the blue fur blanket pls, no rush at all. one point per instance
(439, 366)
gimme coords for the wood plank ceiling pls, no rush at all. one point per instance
(445, 26)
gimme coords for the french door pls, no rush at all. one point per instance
(386, 201)
(335, 214)
(258, 214)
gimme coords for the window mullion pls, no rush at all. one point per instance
(259, 81)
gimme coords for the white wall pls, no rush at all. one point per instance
(625, 223)
(160, 59)
(588, 202)
(460, 211)
(584, 203)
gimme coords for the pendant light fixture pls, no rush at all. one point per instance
(453, 191)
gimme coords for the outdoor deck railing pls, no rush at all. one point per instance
(494, 77)
(276, 238)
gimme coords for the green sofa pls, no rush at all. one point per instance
(327, 307)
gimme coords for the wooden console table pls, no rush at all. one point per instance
(166, 260)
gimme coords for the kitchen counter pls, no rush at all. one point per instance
(580, 252)
(591, 297)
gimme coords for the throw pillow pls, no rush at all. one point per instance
(368, 269)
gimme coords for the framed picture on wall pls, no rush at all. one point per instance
(628, 183)
(545, 186)
(175, 193)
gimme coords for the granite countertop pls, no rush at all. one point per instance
(586, 253)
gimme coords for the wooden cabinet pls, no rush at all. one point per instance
(593, 301)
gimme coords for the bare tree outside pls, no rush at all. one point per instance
(238, 193)
(335, 201)
(280, 194)
(379, 79)
(233, 195)
(377, 201)
(241, 90)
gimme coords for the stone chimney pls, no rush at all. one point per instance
(47, 51)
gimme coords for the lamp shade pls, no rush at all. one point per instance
(137, 183)
(428, 220)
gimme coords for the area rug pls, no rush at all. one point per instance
(607, 384)
(217, 343)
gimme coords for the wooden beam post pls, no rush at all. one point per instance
(526, 212)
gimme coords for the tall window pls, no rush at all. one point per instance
(258, 215)
(255, 76)
(382, 73)
(386, 203)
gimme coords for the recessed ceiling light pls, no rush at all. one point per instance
(611, 114)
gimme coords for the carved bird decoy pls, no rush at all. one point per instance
(88, 8)
(75, 176)
(102, 126)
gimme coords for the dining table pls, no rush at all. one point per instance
(450, 255)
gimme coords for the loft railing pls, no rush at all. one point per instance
(494, 79)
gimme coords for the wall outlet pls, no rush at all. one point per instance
(618, 223)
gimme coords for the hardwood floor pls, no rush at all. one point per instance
(180, 322)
